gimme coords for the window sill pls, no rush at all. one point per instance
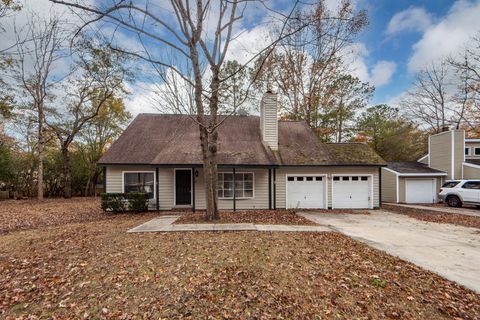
(236, 198)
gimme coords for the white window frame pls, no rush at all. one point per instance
(324, 181)
(475, 151)
(469, 151)
(142, 171)
(239, 198)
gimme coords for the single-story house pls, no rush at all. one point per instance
(411, 182)
(263, 163)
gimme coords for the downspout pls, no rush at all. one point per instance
(269, 189)
(234, 196)
(274, 189)
(157, 202)
(193, 189)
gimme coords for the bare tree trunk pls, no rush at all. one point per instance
(40, 148)
(67, 173)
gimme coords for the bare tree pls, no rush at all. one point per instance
(304, 67)
(202, 46)
(34, 74)
(100, 76)
(428, 101)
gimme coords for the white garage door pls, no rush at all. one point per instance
(352, 192)
(420, 191)
(305, 192)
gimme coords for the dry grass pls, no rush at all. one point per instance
(97, 270)
(436, 216)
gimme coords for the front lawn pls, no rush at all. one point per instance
(97, 270)
(436, 216)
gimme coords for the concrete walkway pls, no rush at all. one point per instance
(451, 251)
(165, 224)
(465, 211)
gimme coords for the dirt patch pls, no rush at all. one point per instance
(436, 216)
(97, 270)
(288, 217)
(33, 214)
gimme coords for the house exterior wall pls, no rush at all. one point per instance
(389, 186)
(166, 185)
(470, 172)
(446, 152)
(281, 180)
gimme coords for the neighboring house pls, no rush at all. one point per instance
(263, 163)
(450, 156)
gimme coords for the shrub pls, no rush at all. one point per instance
(123, 202)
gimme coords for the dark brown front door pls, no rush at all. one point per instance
(183, 187)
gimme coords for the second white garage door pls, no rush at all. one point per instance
(351, 192)
(307, 192)
(420, 191)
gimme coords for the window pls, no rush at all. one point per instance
(345, 178)
(450, 184)
(354, 178)
(336, 178)
(299, 178)
(139, 182)
(472, 185)
(467, 151)
(309, 178)
(243, 185)
(477, 151)
(318, 178)
(291, 178)
(364, 178)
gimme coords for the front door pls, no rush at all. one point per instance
(183, 187)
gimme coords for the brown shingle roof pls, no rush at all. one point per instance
(412, 167)
(158, 139)
(473, 161)
(354, 153)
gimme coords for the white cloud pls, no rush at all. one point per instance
(378, 75)
(382, 72)
(411, 19)
(448, 36)
(247, 43)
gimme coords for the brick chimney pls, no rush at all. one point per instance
(268, 120)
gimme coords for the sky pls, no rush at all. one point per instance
(402, 37)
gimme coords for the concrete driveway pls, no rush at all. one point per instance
(451, 251)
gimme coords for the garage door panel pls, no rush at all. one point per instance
(352, 192)
(305, 192)
(420, 191)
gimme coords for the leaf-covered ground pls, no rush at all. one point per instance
(288, 217)
(97, 270)
(436, 216)
(32, 214)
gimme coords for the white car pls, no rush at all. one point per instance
(458, 192)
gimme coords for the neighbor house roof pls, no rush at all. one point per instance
(473, 161)
(412, 167)
(158, 139)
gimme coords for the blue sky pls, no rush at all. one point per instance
(402, 37)
(414, 33)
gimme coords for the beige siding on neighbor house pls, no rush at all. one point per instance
(389, 186)
(281, 180)
(470, 172)
(445, 147)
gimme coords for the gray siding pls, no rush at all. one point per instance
(471, 172)
(389, 186)
(444, 147)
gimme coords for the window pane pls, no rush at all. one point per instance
(248, 177)
(290, 178)
(477, 151)
(364, 178)
(220, 193)
(238, 184)
(131, 178)
(318, 178)
(227, 177)
(299, 178)
(239, 193)
(248, 193)
(248, 185)
(336, 178)
(309, 178)
(450, 184)
(228, 193)
(467, 151)
(345, 178)
(228, 185)
(139, 182)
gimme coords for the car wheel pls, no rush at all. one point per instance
(454, 201)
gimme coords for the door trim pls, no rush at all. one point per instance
(371, 176)
(175, 188)
(325, 186)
